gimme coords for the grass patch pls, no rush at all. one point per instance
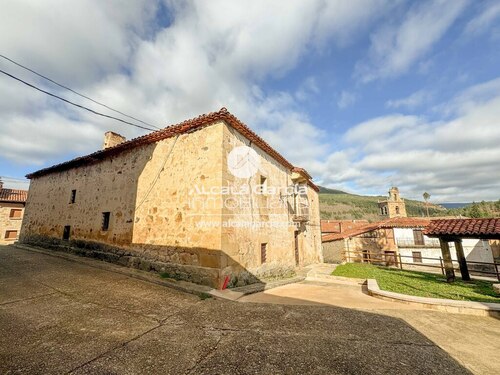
(420, 284)
(173, 276)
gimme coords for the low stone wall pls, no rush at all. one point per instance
(129, 258)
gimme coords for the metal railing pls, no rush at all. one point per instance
(394, 259)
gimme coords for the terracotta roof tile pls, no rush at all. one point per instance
(395, 222)
(168, 132)
(476, 228)
(13, 195)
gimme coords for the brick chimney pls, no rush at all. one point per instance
(112, 139)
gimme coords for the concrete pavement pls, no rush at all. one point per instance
(58, 317)
(474, 341)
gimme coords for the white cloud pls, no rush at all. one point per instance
(410, 102)
(483, 21)
(211, 54)
(395, 48)
(454, 160)
(346, 99)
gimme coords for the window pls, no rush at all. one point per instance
(417, 256)
(15, 213)
(105, 220)
(263, 184)
(263, 253)
(73, 196)
(418, 237)
(66, 232)
(10, 234)
(397, 210)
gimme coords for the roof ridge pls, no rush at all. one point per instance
(169, 131)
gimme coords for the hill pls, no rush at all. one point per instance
(336, 204)
(481, 209)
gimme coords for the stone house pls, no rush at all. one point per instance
(12, 202)
(206, 200)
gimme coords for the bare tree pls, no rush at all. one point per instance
(427, 196)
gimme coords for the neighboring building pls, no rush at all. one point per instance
(206, 201)
(339, 226)
(12, 202)
(385, 241)
(394, 206)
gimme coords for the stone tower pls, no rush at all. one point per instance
(394, 206)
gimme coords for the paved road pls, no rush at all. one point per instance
(473, 341)
(58, 316)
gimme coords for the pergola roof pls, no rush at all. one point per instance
(464, 228)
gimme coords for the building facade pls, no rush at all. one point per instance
(206, 201)
(12, 202)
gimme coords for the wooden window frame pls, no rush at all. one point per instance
(13, 217)
(263, 252)
(8, 231)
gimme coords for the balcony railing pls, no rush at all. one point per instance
(410, 242)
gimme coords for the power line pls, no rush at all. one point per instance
(76, 105)
(75, 92)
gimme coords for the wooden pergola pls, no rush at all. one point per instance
(454, 230)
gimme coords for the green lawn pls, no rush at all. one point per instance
(420, 283)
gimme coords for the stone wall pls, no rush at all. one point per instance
(333, 251)
(7, 223)
(166, 207)
(264, 219)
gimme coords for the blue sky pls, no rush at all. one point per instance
(363, 94)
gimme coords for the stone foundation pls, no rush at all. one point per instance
(129, 258)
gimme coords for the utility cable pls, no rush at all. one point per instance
(74, 104)
(75, 92)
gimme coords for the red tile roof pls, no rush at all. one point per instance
(405, 222)
(395, 222)
(466, 228)
(13, 195)
(330, 226)
(168, 132)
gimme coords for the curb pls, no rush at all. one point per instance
(440, 304)
(201, 291)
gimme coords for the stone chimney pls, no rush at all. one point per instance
(112, 139)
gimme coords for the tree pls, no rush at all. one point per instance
(427, 196)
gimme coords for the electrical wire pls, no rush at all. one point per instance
(75, 92)
(74, 104)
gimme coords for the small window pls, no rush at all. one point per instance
(397, 210)
(73, 196)
(418, 237)
(263, 253)
(10, 234)
(263, 184)
(66, 232)
(417, 256)
(105, 220)
(15, 213)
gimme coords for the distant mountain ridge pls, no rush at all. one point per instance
(339, 205)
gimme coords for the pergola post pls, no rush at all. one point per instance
(464, 270)
(448, 263)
